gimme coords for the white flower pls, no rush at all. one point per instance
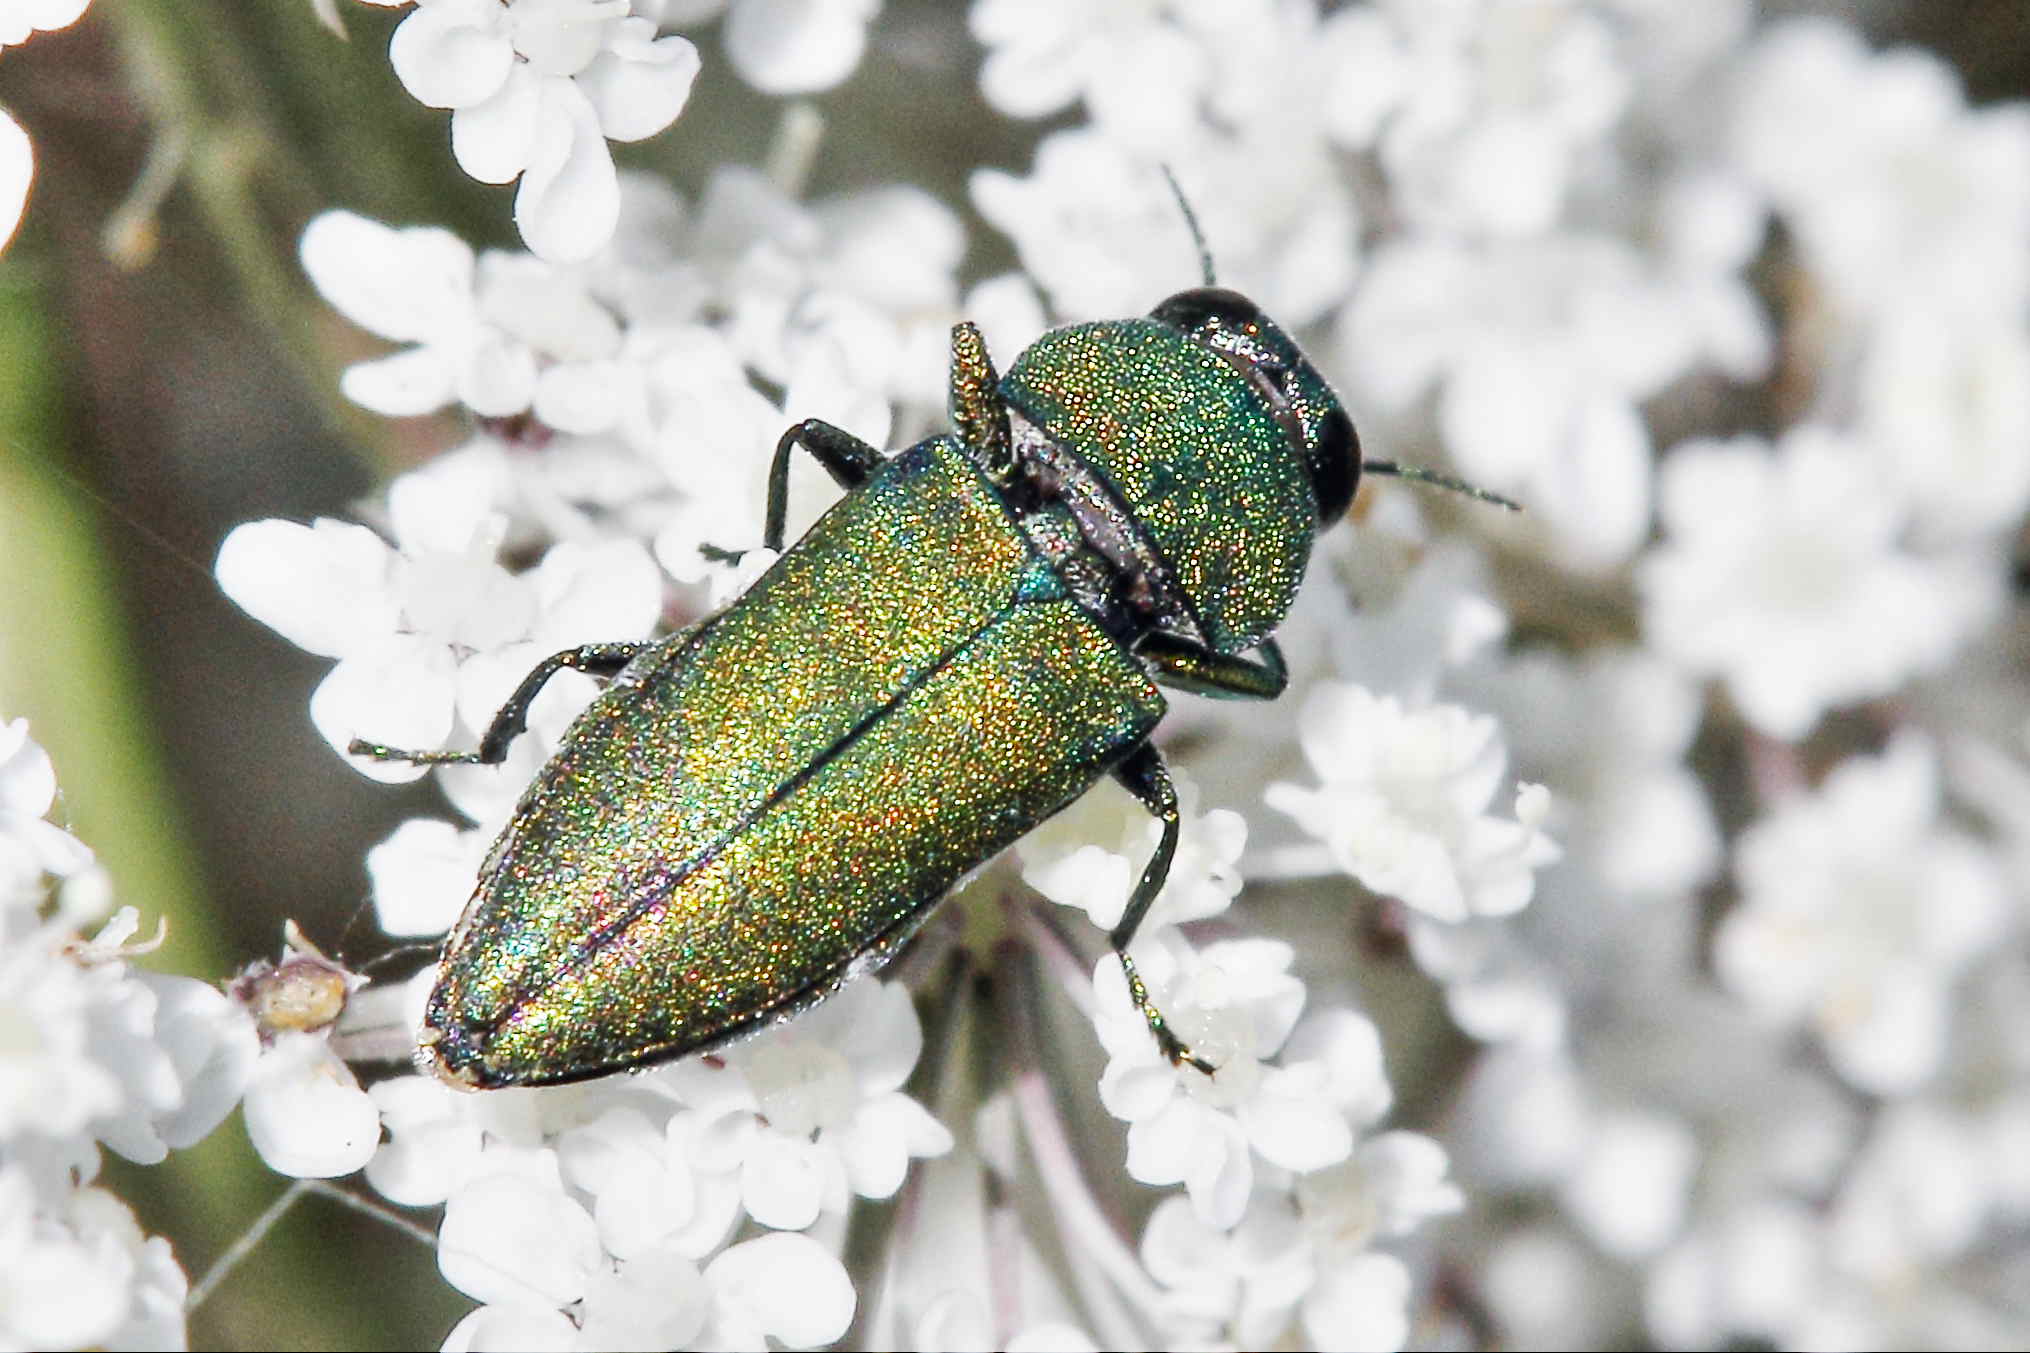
(76, 1271)
(1303, 1256)
(24, 17)
(1483, 112)
(1392, 1184)
(211, 1047)
(1782, 573)
(1361, 1304)
(783, 1286)
(1897, 192)
(651, 1300)
(493, 332)
(78, 1049)
(529, 1329)
(1607, 735)
(1139, 68)
(536, 89)
(1541, 351)
(1751, 1274)
(435, 629)
(1632, 1187)
(1092, 854)
(1945, 413)
(1102, 234)
(1403, 806)
(1241, 1285)
(813, 1111)
(1917, 1194)
(516, 1237)
(30, 846)
(797, 46)
(1234, 1004)
(1858, 911)
(306, 1113)
(423, 875)
(434, 1140)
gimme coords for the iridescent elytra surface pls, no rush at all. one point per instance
(768, 802)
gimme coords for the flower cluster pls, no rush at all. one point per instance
(95, 1052)
(1612, 936)
(537, 88)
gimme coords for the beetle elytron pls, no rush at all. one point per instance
(770, 801)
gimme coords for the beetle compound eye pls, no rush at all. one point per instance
(1334, 461)
(1204, 310)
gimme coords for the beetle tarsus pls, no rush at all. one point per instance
(513, 717)
(1167, 1042)
(1145, 776)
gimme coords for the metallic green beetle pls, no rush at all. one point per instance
(765, 804)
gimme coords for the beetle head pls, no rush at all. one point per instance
(1318, 429)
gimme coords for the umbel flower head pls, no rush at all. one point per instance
(1612, 934)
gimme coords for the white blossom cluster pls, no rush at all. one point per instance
(1694, 799)
(537, 88)
(93, 1052)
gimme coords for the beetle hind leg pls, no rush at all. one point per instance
(1146, 777)
(513, 717)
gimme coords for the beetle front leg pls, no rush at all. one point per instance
(1224, 676)
(513, 717)
(845, 457)
(1146, 777)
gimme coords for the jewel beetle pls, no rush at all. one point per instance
(760, 806)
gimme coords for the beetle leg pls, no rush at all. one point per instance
(1225, 676)
(1145, 776)
(845, 457)
(598, 659)
(978, 415)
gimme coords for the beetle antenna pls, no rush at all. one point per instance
(1443, 481)
(1191, 219)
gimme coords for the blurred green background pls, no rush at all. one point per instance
(166, 373)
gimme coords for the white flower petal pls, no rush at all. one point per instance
(495, 140)
(569, 200)
(452, 53)
(409, 285)
(406, 384)
(782, 1181)
(17, 169)
(423, 876)
(1360, 1305)
(306, 1114)
(398, 693)
(512, 1329)
(513, 1239)
(786, 1286)
(639, 84)
(797, 46)
(324, 587)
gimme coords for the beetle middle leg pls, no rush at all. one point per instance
(1146, 777)
(513, 717)
(845, 457)
(1224, 676)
